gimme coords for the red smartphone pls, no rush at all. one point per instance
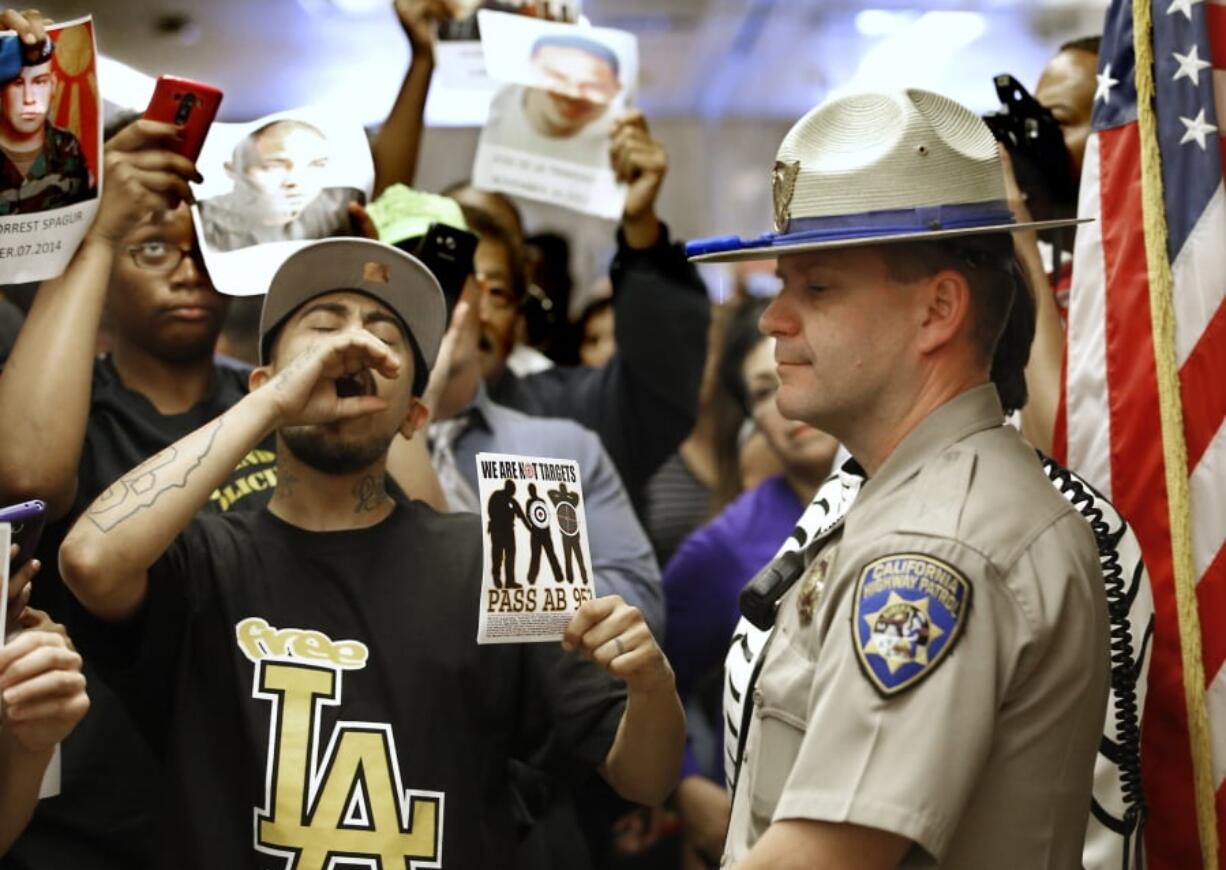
(191, 105)
(27, 519)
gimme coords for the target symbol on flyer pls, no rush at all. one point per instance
(538, 513)
(568, 520)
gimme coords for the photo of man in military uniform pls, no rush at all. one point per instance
(42, 166)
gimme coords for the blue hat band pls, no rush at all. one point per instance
(866, 225)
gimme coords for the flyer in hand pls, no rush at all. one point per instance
(536, 567)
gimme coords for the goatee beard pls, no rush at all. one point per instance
(312, 448)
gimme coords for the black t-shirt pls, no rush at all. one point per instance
(323, 693)
(101, 819)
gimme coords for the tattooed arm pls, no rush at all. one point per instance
(107, 555)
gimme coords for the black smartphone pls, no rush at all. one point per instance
(448, 253)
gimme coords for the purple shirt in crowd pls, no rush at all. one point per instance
(704, 579)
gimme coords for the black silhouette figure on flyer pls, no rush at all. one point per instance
(502, 510)
(565, 501)
(539, 528)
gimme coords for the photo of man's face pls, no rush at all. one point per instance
(27, 100)
(577, 79)
(279, 170)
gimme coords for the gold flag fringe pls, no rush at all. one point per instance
(1174, 444)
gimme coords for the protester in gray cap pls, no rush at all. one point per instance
(341, 616)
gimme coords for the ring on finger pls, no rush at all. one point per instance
(617, 641)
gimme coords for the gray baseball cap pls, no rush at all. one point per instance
(398, 280)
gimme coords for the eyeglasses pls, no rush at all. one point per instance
(157, 256)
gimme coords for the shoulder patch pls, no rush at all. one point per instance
(909, 611)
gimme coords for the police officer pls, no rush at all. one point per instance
(933, 689)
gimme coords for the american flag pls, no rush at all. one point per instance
(1113, 409)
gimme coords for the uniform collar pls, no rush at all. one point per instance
(969, 412)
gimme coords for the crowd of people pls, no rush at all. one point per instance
(250, 620)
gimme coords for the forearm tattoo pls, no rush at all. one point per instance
(140, 489)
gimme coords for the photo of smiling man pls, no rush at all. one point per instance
(578, 81)
(279, 172)
(556, 102)
(548, 133)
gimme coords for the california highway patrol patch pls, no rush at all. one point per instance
(909, 611)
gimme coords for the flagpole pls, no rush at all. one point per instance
(1174, 443)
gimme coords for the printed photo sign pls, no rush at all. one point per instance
(50, 150)
(537, 570)
(271, 186)
(548, 133)
(461, 90)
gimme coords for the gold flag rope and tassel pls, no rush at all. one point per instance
(1174, 444)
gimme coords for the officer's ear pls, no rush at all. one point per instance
(945, 309)
(417, 416)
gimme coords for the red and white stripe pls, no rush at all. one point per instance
(1114, 441)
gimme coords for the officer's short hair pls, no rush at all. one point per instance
(997, 287)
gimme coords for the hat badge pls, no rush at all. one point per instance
(783, 183)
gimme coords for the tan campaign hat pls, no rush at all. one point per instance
(877, 168)
(398, 280)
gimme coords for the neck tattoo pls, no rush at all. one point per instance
(369, 494)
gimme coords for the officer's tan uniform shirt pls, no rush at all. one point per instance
(941, 670)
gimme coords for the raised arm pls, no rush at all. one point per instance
(1047, 352)
(643, 403)
(1043, 371)
(46, 381)
(107, 555)
(396, 145)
